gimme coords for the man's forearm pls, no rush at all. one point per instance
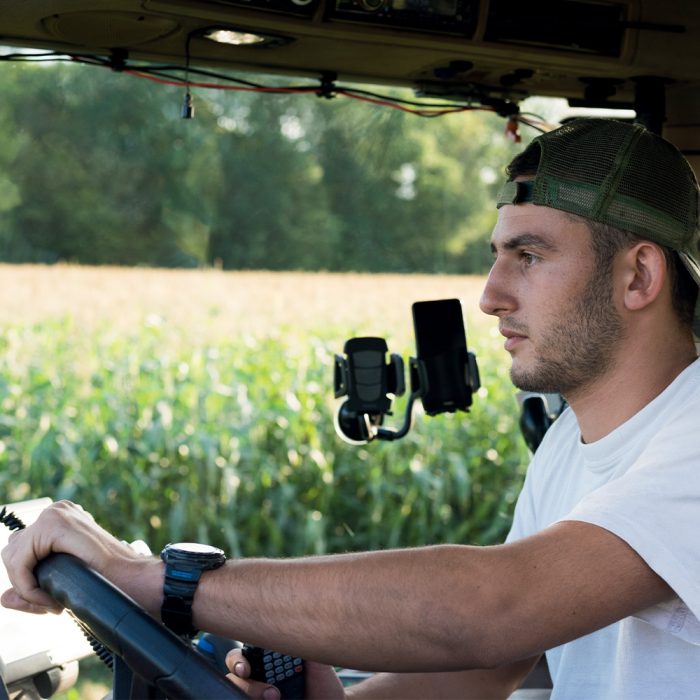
(445, 608)
(489, 684)
(394, 605)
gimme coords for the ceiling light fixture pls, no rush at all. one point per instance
(243, 37)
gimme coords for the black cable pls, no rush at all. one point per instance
(156, 70)
(10, 520)
(540, 129)
(101, 651)
(164, 72)
(159, 71)
(533, 114)
(413, 103)
(53, 57)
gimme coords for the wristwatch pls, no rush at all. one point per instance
(184, 564)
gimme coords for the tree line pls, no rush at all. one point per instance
(99, 167)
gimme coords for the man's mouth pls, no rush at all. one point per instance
(513, 338)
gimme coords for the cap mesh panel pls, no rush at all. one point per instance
(672, 193)
(618, 169)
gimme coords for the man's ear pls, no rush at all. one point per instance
(645, 272)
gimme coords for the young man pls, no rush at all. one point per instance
(597, 231)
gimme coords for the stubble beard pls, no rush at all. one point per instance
(579, 348)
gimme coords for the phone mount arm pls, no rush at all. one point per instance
(391, 434)
(361, 428)
(419, 385)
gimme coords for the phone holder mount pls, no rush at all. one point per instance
(369, 381)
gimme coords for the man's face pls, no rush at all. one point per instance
(555, 307)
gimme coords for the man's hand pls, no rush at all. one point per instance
(322, 683)
(63, 527)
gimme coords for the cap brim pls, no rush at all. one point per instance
(693, 267)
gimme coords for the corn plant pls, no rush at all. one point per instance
(165, 436)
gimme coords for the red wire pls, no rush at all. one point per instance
(302, 90)
(410, 110)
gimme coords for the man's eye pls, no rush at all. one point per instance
(528, 258)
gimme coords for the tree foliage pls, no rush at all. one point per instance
(98, 167)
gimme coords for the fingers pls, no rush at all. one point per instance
(10, 599)
(237, 663)
(239, 667)
(20, 559)
(61, 527)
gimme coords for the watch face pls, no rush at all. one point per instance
(195, 548)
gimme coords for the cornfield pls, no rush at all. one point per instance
(199, 405)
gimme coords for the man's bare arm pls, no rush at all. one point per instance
(488, 684)
(448, 607)
(442, 608)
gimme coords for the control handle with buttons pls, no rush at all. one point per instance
(283, 671)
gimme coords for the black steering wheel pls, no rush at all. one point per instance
(156, 655)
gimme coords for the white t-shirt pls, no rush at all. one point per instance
(641, 482)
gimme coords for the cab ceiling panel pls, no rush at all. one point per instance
(593, 49)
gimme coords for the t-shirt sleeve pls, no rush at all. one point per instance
(655, 507)
(524, 515)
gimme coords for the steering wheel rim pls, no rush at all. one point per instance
(151, 650)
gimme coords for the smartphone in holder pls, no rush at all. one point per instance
(444, 372)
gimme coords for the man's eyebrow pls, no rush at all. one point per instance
(533, 240)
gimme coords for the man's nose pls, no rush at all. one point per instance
(497, 297)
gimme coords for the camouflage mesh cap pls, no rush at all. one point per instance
(622, 175)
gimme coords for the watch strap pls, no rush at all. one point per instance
(182, 574)
(176, 614)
